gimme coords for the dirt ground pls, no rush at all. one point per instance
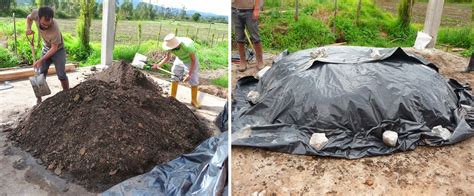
(251, 68)
(447, 170)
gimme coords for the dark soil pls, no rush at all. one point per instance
(113, 126)
(157, 56)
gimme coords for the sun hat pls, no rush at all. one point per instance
(170, 42)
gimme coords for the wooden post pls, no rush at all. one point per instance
(139, 33)
(196, 36)
(209, 32)
(296, 10)
(359, 7)
(176, 32)
(14, 30)
(115, 29)
(159, 34)
(212, 40)
(335, 15)
(187, 31)
(433, 20)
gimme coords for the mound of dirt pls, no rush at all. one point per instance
(114, 126)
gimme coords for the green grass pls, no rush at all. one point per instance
(127, 31)
(462, 37)
(7, 59)
(221, 81)
(315, 26)
(211, 57)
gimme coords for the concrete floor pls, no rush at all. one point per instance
(21, 174)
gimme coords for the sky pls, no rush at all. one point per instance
(220, 7)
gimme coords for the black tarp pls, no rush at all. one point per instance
(352, 95)
(201, 172)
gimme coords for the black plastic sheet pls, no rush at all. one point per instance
(201, 172)
(352, 95)
(222, 118)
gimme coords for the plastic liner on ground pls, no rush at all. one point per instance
(201, 172)
(222, 118)
(352, 95)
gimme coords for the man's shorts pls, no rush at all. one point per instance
(59, 61)
(181, 69)
(242, 19)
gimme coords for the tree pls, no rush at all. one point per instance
(196, 16)
(404, 13)
(98, 10)
(41, 3)
(5, 6)
(359, 7)
(151, 12)
(84, 24)
(182, 14)
(141, 11)
(126, 10)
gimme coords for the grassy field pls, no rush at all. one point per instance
(454, 14)
(127, 31)
(212, 55)
(378, 25)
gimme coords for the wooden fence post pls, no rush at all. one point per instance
(14, 30)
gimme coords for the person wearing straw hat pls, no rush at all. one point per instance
(186, 64)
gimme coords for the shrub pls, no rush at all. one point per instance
(7, 59)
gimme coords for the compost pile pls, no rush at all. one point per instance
(352, 96)
(111, 127)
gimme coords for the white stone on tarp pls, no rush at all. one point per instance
(318, 140)
(253, 96)
(390, 138)
(442, 132)
(375, 54)
(468, 108)
(262, 72)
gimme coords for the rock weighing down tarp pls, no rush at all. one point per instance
(352, 95)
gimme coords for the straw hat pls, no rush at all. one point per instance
(170, 42)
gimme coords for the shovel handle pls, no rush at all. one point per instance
(32, 45)
(37, 71)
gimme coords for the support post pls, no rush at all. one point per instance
(108, 17)
(433, 20)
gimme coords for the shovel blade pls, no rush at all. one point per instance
(40, 86)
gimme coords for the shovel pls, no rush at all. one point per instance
(38, 82)
(140, 62)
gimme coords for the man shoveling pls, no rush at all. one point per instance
(186, 64)
(53, 44)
